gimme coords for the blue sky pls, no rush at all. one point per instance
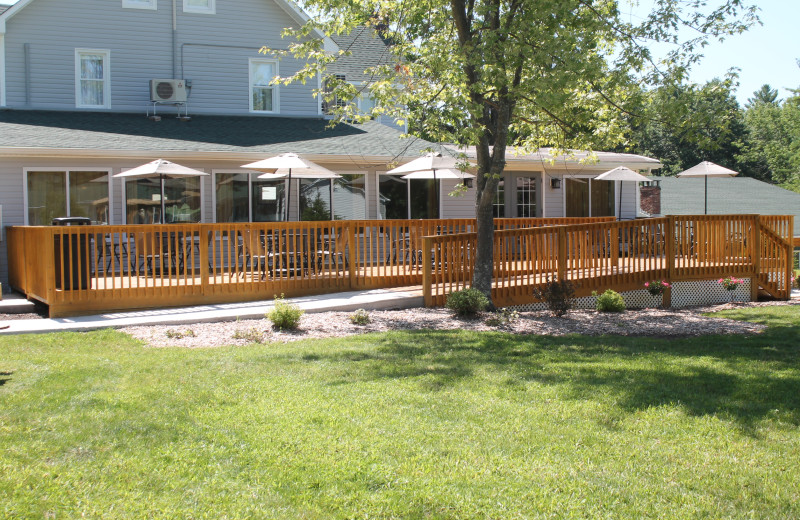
(765, 54)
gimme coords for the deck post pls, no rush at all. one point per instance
(615, 247)
(205, 261)
(562, 254)
(427, 271)
(49, 266)
(669, 256)
(789, 259)
(352, 262)
(755, 255)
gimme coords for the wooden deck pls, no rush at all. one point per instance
(85, 269)
(618, 255)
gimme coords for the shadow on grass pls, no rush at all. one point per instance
(743, 378)
(5, 377)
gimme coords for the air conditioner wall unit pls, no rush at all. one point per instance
(169, 90)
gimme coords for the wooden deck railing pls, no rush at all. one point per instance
(619, 255)
(89, 268)
(80, 269)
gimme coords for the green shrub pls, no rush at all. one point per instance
(557, 294)
(284, 316)
(502, 317)
(177, 334)
(610, 301)
(467, 302)
(360, 317)
(252, 335)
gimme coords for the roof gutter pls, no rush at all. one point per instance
(374, 161)
(365, 161)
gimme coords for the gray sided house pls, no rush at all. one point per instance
(76, 90)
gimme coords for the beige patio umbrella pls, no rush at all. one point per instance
(621, 174)
(433, 165)
(161, 169)
(433, 162)
(438, 174)
(290, 165)
(707, 169)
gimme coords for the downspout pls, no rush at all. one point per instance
(174, 39)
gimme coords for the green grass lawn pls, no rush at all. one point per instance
(404, 425)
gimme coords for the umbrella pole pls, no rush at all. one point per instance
(436, 190)
(705, 205)
(163, 204)
(288, 195)
(619, 212)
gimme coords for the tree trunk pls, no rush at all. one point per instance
(484, 248)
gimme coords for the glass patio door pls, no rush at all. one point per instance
(577, 195)
(589, 197)
(525, 194)
(517, 196)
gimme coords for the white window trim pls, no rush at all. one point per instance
(140, 4)
(106, 77)
(124, 199)
(319, 89)
(254, 175)
(251, 175)
(214, 174)
(276, 93)
(66, 172)
(211, 9)
(589, 178)
(366, 190)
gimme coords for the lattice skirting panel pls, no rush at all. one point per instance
(633, 300)
(684, 294)
(707, 292)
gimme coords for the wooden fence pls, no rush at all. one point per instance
(619, 255)
(80, 269)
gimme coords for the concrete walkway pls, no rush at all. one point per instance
(376, 299)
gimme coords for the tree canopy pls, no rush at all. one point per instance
(523, 73)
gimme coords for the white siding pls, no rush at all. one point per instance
(461, 206)
(11, 200)
(215, 50)
(553, 198)
(629, 194)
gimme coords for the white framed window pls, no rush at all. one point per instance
(92, 78)
(140, 4)
(200, 6)
(243, 197)
(329, 106)
(66, 192)
(263, 96)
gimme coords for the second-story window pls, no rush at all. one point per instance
(92, 83)
(139, 4)
(263, 96)
(329, 105)
(200, 6)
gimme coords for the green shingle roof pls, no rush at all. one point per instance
(366, 50)
(135, 132)
(728, 195)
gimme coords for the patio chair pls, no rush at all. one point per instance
(110, 248)
(331, 249)
(151, 246)
(255, 249)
